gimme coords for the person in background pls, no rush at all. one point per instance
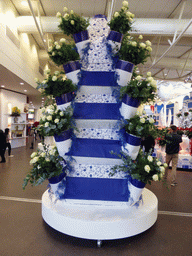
(8, 144)
(172, 150)
(148, 143)
(2, 146)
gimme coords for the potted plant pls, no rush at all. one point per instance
(57, 123)
(138, 91)
(16, 112)
(136, 128)
(63, 53)
(144, 169)
(120, 24)
(59, 87)
(47, 165)
(161, 141)
(73, 24)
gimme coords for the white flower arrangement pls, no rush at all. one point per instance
(47, 163)
(55, 121)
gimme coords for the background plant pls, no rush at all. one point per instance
(122, 20)
(135, 51)
(145, 168)
(15, 111)
(144, 89)
(62, 52)
(55, 121)
(71, 23)
(55, 84)
(46, 163)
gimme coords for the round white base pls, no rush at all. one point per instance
(99, 223)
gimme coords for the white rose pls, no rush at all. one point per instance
(43, 118)
(130, 19)
(72, 22)
(72, 12)
(134, 43)
(125, 3)
(138, 78)
(52, 152)
(65, 9)
(58, 47)
(49, 118)
(132, 15)
(142, 120)
(149, 49)
(150, 158)
(44, 82)
(56, 43)
(62, 40)
(151, 120)
(116, 14)
(58, 15)
(149, 79)
(56, 73)
(43, 154)
(33, 154)
(142, 45)
(61, 113)
(50, 48)
(66, 16)
(56, 120)
(165, 165)
(47, 124)
(154, 83)
(147, 168)
(155, 177)
(35, 159)
(47, 159)
(140, 37)
(54, 78)
(148, 73)
(159, 163)
(148, 43)
(128, 14)
(53, 54)
(162, 169)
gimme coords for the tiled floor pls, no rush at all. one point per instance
(23, 231)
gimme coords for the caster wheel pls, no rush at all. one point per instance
(99, 243)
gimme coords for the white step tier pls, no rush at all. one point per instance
(99, 222)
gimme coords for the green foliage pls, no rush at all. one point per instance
(56, 85)
(71, 23)
(161, 141)
(46, 164)
(62, 53)
(145, 168)
(55, 121)
(134, 51)
(142, 89)
(140, 126)
(122, 20)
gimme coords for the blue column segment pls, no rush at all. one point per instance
(97, 189)
(94, 148)
(103, 78)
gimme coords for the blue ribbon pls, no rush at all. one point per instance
(81, 36)
(115, 36)
(97, 111)
(94, 148)
(65, 135)
(64, 98)
(55, 180)
(71, 66)
(125, 65)
(136, 183)
(97, 189)
(132, 140)
(133, 102)
(102, 78)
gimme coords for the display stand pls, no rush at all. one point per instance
(98, 222)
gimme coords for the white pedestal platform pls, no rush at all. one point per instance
(97, 222)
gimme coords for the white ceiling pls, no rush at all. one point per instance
(175, 65)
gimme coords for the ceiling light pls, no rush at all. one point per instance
(21, 83)
(2, 85)
(25, 90)
(24, 3)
